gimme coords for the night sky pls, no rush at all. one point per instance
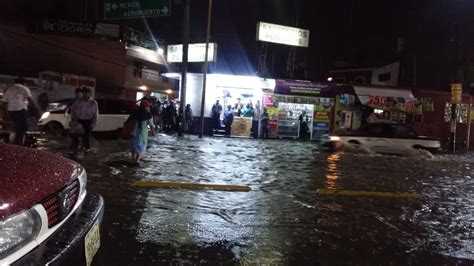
(344, 33)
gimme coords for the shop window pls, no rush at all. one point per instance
(385, 77)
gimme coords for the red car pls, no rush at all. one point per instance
(46, 214)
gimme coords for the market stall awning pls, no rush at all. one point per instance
(383, 92)
(401, 100)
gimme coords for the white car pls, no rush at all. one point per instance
(383, 137)
(112, 115)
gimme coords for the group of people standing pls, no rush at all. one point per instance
(240, 110)
(166, 115)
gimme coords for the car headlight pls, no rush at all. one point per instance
(18, 230)
(82, 181)
(45, 115)
(335, 138)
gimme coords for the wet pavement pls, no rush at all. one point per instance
(283, 219)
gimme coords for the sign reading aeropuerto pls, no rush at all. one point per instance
(123, 9)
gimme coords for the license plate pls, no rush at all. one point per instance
(92, 243)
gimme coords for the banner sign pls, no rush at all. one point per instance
(304, 88)
(80, 29)
(68, 79)
(395, 104)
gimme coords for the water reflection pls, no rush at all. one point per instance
(280, 221)
(332, 170)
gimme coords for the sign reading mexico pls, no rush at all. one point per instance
(196, 53)
(124, 9)
(274, 33)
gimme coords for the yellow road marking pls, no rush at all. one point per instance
(180, 185)
(354, 193)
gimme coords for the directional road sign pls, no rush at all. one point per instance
(123, 9)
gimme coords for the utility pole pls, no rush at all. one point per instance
(184, 67)
(454, 105)
(290, 64)
(469, 123)
(203, 96)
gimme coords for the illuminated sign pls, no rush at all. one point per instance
(196, 53)
(268, 32)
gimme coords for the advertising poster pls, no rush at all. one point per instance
(320, 129)
(241, 127)
(471, 113)
(348, 119)
(267, 100)
(356, 119)
(321, 125)
(273, 122)
(428, 105)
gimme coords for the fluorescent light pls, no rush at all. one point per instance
(378, 111)
(335, 138)
(169, 91)
(171, 75)
(143, 88)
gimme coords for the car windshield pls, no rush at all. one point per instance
(250, 132)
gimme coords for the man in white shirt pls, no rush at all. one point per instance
(16, 98)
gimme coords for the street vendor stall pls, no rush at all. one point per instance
(303, 108)
(371, 104)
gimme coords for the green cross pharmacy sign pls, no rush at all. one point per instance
(123, 9)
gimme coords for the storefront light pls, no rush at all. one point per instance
(169, 91)
(143, 88)
(378, 111)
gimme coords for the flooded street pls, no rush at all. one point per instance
(286, 218)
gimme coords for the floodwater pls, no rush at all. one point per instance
(283, 219)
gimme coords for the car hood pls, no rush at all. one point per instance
(27, 176)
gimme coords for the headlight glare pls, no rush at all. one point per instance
(45, 115)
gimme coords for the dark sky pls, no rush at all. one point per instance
(357, 32)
